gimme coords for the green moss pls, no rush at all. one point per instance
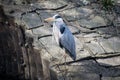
(108, 4)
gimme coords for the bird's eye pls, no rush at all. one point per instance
(51, 25)
(56, 17)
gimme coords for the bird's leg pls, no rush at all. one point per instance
(65, 60)
(58, 67)
(65, 56)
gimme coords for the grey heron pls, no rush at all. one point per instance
(63, 35)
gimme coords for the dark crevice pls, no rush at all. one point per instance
(37, 9)
(100, 76)
(17, 62)
(106, 66)
(82, 59)
(68, 8)
(44, 36)
(36, 27)
(91, 58)
(77, 32)
(22, 42)
(98, 27)
(9, 77)
(109, 66)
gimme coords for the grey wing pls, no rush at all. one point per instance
(67, 41)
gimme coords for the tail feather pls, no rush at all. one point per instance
(72, 55)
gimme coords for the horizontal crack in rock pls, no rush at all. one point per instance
(91, 58)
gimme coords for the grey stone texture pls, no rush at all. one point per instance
(97, 41)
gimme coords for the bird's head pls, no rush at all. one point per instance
(56, 17)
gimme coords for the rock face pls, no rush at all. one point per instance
(76, 13)
(96, 33)
(97, 21)
(29, 18)
(17, 53)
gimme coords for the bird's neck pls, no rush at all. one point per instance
(61, 22)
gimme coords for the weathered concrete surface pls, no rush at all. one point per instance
(96, 33)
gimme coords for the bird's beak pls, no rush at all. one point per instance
(49, 19)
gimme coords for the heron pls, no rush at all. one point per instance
(63, 36)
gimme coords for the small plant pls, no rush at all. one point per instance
(108, 4)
